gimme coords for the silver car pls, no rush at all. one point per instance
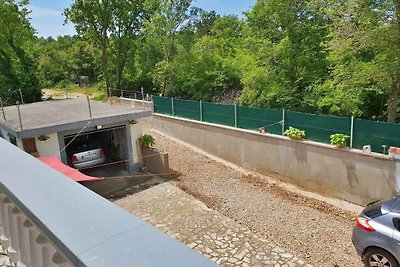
(376, 235)
(86, 155)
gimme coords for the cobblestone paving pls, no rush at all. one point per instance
(207, 231)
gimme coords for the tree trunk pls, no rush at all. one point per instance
(104, 64)
(121, 62)
(393, 103)
(119, 71)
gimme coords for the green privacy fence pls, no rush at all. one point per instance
(380, 135)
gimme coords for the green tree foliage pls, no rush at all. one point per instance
(94, 20)
(18, 69)
(323, 56)
(168, 18)
(283, 53)
(61, 61)
(364, 52)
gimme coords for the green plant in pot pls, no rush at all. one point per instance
(294, 133)
(339, 140)
(43, 138)
(147, 140)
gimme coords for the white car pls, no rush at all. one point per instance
(85, 155)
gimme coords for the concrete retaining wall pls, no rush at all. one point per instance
(155, 161)
(138, 104)
(343, 173)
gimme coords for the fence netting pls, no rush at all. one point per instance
(380, 135)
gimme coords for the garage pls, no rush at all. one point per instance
(97, 148)
(45, 128)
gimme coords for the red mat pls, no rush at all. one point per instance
(72, 173)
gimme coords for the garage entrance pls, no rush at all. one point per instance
(112, 142)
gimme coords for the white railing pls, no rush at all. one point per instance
(46, 219)
(22, 240)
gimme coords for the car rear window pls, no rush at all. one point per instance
(84, 147)
(374, 209)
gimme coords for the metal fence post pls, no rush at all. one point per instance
(22, 97)
(236, 121)
(19, 116)
(142, 89)
(2, 109)
(351, 131)
(172, 105)
(201, 111)
(90, 108)
(283, 121)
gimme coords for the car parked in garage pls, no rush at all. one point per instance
(84, 155)
(376, 235)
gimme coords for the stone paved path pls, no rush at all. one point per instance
(207, 231)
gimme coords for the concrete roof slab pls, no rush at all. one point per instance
(61, 115)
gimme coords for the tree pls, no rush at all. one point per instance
(284, 40)
(365, 55)
(128, 18)
(61, 61)
(18, 68)
(94, 20)
(168, 19)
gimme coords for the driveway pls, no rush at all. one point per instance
(205, 230)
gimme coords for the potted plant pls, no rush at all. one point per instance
(339, 140)
(43, 138)
(147, 140)
(295, 134)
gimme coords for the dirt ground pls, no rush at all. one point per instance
(313, 230)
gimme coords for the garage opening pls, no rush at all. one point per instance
(91, 150)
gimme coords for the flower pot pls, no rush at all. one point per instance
(298, 138)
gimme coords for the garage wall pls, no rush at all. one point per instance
(136, 133)
(341, 173)
(48, 148)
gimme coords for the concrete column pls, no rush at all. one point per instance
(130, 152)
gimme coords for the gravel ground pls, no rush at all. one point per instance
(310, 229)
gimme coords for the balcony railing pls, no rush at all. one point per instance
(46, 219)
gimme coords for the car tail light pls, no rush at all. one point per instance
(363, 224)
(102, 153)
(74, 159)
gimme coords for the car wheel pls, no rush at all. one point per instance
(376, 257)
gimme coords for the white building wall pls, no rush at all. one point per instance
(48, 148)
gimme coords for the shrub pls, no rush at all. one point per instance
(147, 140)
(295, 133)
(339, 140)
(101, 98)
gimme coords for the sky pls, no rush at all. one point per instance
(47, 18)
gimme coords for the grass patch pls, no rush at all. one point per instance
(74, 88)
(101, 98)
